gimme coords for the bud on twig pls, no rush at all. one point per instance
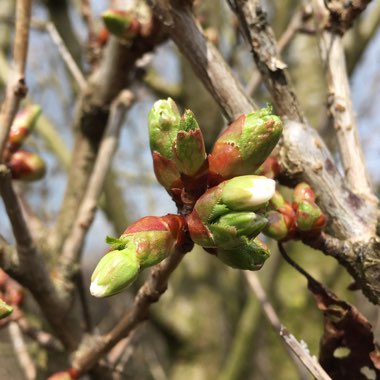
(309, 217)
(144, 243)
(244, 145)
(250, 256)
(121, 23)
(26, 166)
(225, 213)
(23, 124)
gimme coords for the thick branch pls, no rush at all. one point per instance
(340, 105)
(216, 77)
(303, 156)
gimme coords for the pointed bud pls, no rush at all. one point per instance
(5, 309)
(115, 271)
(250, 256)
(26, 166)
(303, 192)
(189, 151)
(244, 145)
(121, 23)
(163, 124)
(23, 124)
(309, 217)
(144, 243)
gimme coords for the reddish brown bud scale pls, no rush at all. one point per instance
(26, 166)
(270, 168)
(303, 192)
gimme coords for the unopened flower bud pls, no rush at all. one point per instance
(210, 214)
(5, 309)
(189, 152)
(250, 256)
(23, 124)
(244, 145)
(303, 192)
(121, 23)
(309, 216)
(163, 123)
(277, 227)
(115, 271)
(248, 192)
(26, 166)
(233, 229)
(143, 244)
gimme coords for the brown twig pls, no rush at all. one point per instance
(149, 293)
(21, 350)
(66, 56)
(73, 245)
(340, 104)
(31, 270)
(310, 362)
(43, 338)
(16, 88)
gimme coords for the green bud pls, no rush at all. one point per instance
(23, 124)
(303, 192)
(309, 217)
(248, 193)
(233, 229)
(5, 309)
(277, 228)
(250, 256)
(189, 152)
(163, 122)
(244, 145)
(121, 24)
(115, 271)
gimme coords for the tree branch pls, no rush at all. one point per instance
(310, 362)
(16, 88)
(149, 293)
(340, 104)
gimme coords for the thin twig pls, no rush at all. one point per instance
(340, 103)
(310, 362)
(73, 245)
(66, 56)
(16, 88)
(149, 293)
(43, 338)
(21, 350)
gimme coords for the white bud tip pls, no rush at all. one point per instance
(97, 290)
(262, 190)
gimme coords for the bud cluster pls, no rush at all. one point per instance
(302, 217)
(143, 244)
(24, 165)
(223, 202)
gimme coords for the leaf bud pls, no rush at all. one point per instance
(26, 166)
